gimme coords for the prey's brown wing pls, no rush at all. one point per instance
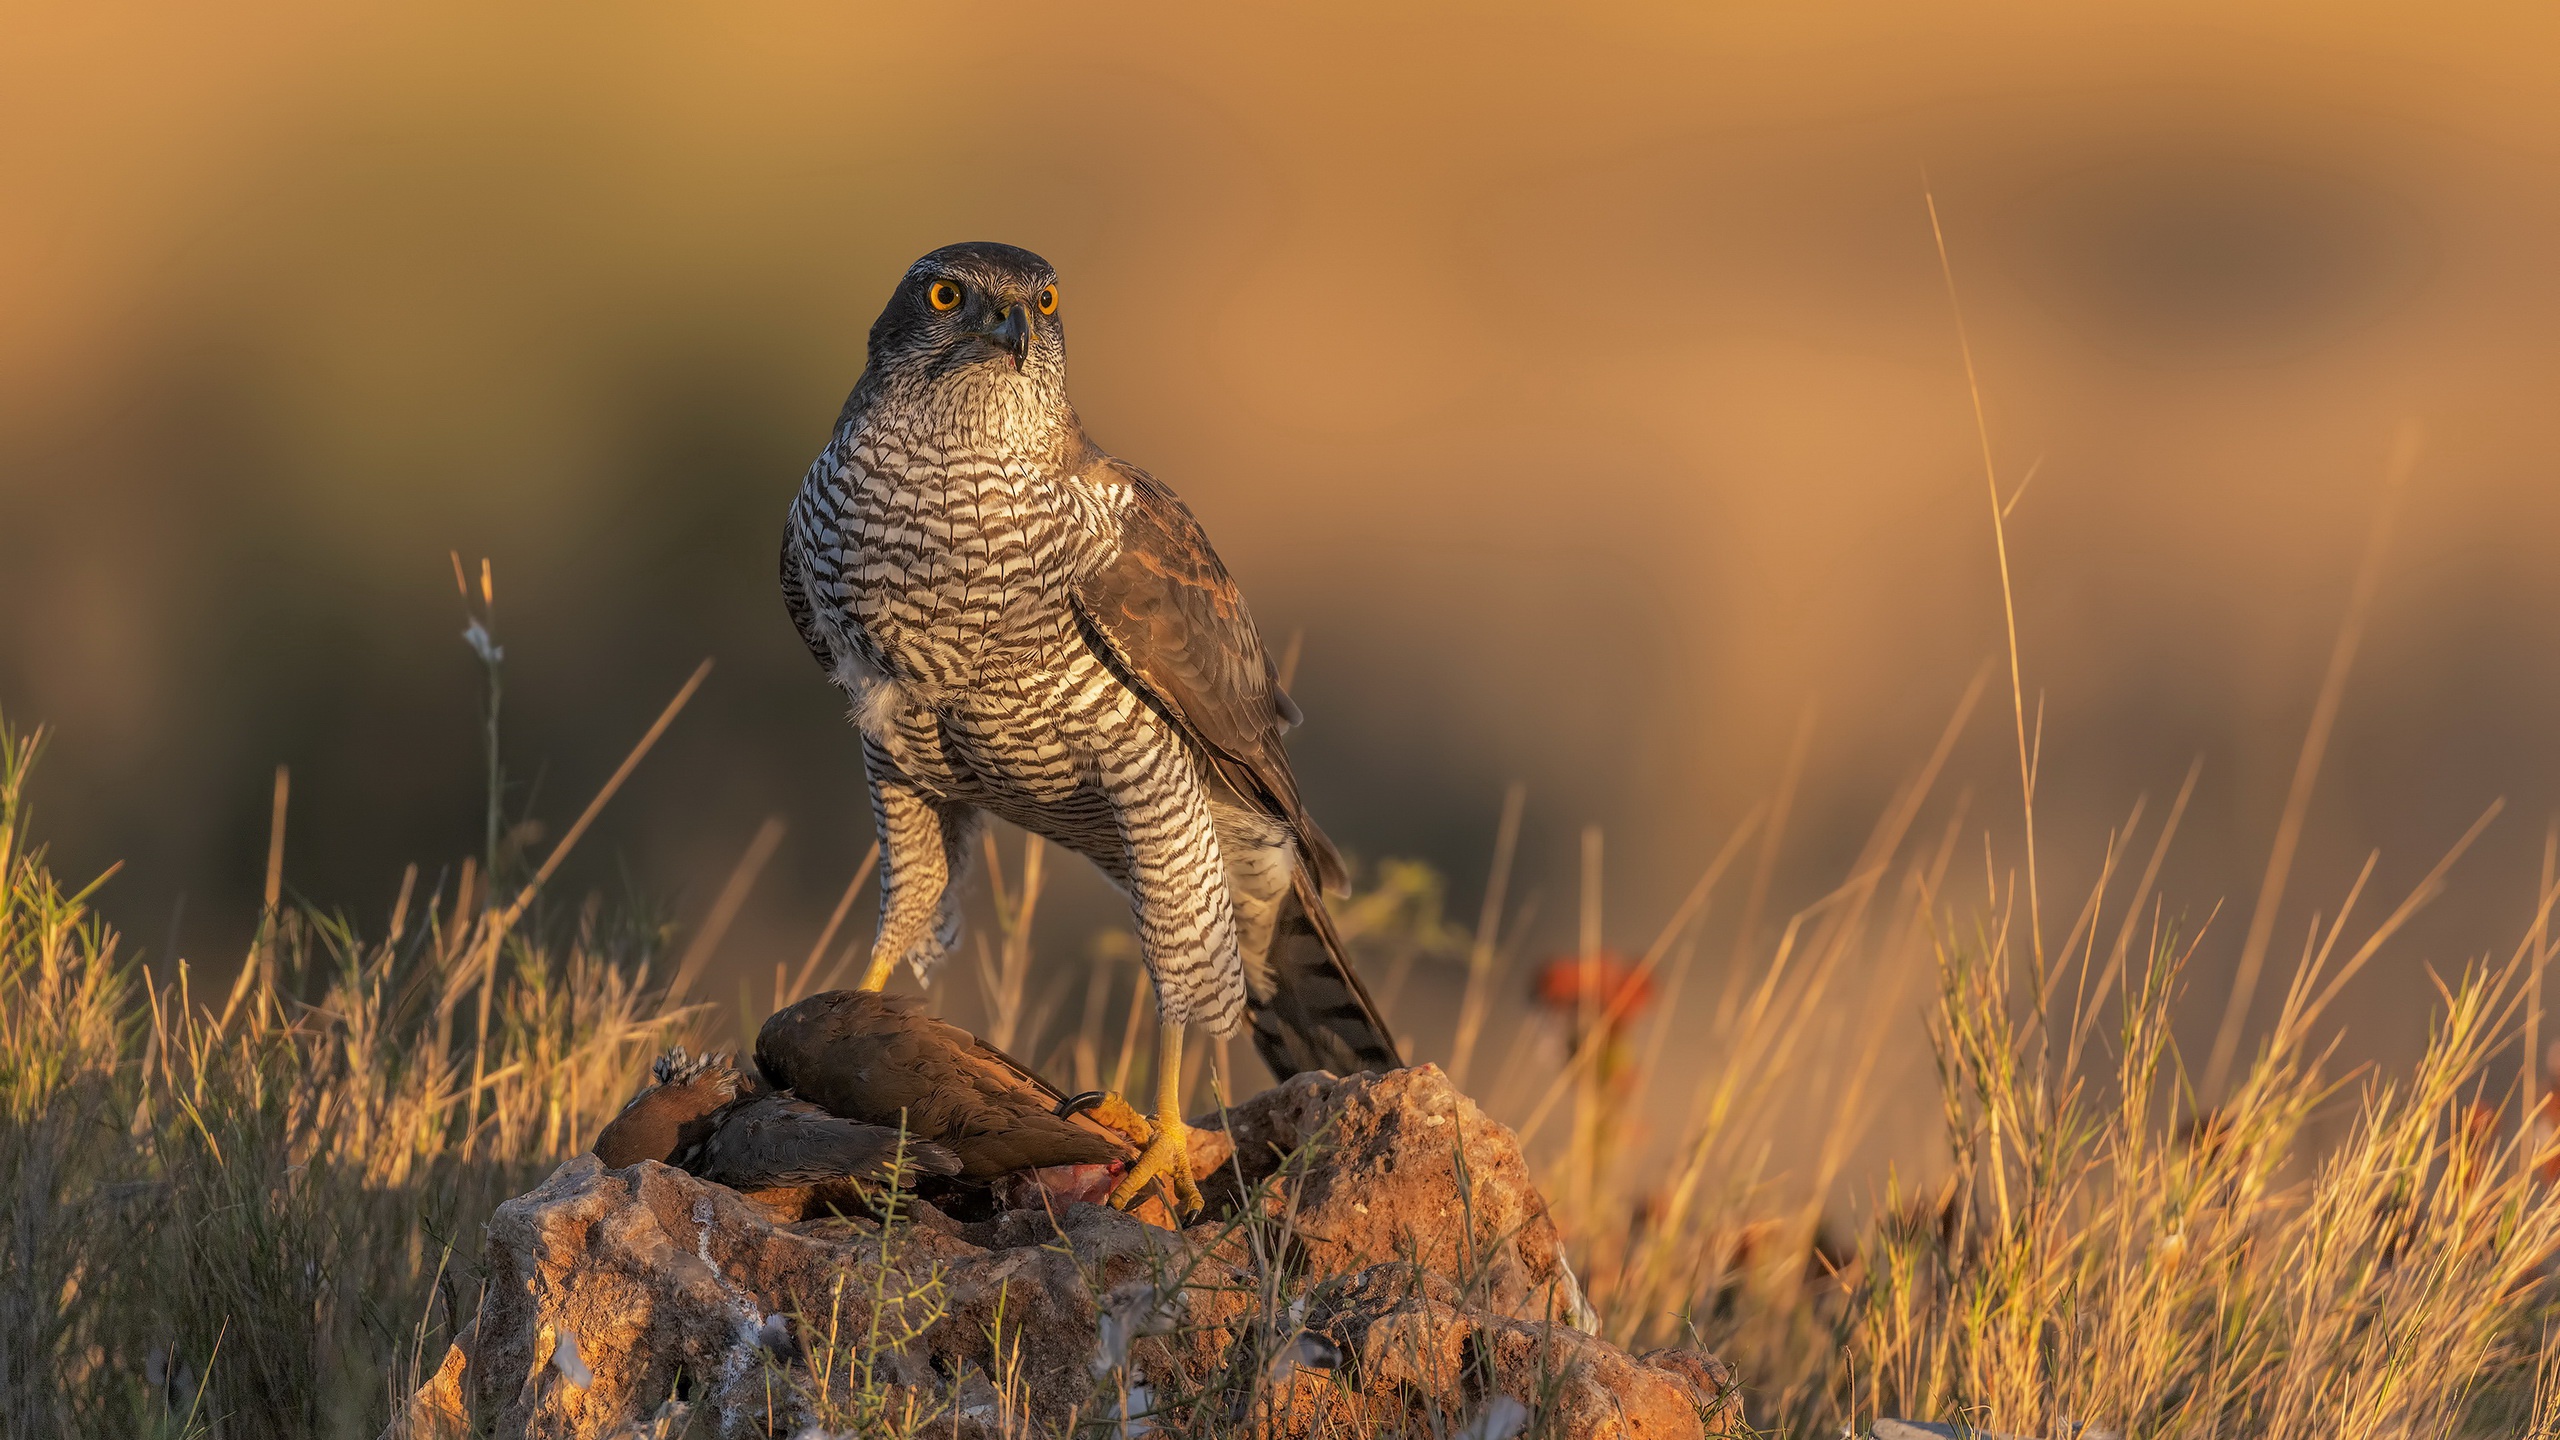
(776, 1139)
(881, 1059)
(1168, 613)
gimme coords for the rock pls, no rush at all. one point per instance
(1352, 1284)
(1386, 1185)
(1418, 1360)
(672, 1288)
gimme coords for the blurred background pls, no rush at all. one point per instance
(1584, 392)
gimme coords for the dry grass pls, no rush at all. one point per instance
(255, 1211)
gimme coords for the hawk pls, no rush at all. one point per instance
(1032, 628)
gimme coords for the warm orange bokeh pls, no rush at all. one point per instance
(1581, 383)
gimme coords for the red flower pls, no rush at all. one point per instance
(1613, 989)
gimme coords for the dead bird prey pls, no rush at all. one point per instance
(709, 1119)
(882, 1059)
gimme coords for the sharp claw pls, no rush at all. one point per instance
(1166, 1161)
(1182, 1202)
(1082, 1100)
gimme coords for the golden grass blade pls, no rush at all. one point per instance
(1477, 999)
(2008, 596)
(2425, 890)
(724, 909)
(2539, 937)
(2307, 970)
(835, 922)
(400, 907)
(257, 970)
(1129, 1033)
(1617, 1009)
(506, 920)
(495, 929)
(1003, 976)
(2306, 766)
(2150, 877)
(1781, 809)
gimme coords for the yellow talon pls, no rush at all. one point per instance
(1168, 1156)
(1113, 1112)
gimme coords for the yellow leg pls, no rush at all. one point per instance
(876, 977)
(1169, 1155)
(898, 934)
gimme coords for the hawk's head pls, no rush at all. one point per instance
(979, 309)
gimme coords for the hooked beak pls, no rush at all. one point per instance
(1012, 335)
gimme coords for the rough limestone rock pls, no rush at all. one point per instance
(1380, 1182)
(1343, 1282)
(1411, 1356)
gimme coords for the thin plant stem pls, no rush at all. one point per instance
(1473, 1004)
(835, 922)
(2306, 766)
(725, 906)
(2008, 596)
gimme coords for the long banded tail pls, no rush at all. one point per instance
(1319, 1016)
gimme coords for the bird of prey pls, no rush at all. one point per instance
(704, 1117)
(882, 1059)
(1032, 628)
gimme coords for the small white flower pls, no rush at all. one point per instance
(572, 1369)
(1110, 1345)
(476, 636)
(1501, 1418)
(1134, 1409)
(1313, 1352)
(1132, 1311)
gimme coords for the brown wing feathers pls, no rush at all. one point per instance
(880, 1058)
(1167, 611)
(706, 1118)
(775, 1140)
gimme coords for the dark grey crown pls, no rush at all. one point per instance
(915, 340)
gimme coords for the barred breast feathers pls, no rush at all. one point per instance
(1096, 494)
(816, 586)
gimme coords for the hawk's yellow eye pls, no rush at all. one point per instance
(1049, 300)
(942, 295)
